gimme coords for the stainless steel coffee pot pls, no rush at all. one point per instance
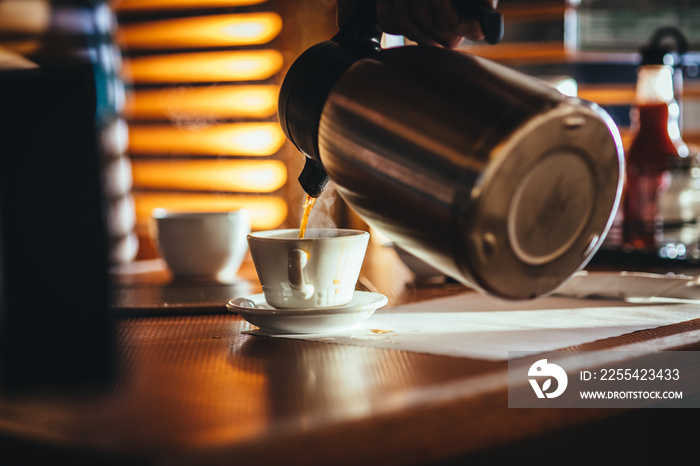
(490, 175)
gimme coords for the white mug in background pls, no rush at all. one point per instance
(317, 271)
(202, 245)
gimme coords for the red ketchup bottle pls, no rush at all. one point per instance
(657, 159)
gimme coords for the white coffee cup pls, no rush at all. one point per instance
(320, 270)
(202, 245)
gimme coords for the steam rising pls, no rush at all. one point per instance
(185, 120)
(322, 213)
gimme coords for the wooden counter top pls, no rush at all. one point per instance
(193, 388)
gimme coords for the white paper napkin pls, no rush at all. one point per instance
(482, 327)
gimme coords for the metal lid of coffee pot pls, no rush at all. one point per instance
(546, 203)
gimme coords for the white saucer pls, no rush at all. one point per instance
(255, 310)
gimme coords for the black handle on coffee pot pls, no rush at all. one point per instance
(311, 77)
(309, 82)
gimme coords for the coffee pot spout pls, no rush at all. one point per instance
(313, 178)
(309, 81)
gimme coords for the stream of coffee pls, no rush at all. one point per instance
(308, 205)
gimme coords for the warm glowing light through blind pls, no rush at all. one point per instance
(262, 176)
(202, 132)
(248, 139)
(266, 211)
(143, 5)
(221, 101)
(205, 31)
(204, 66)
